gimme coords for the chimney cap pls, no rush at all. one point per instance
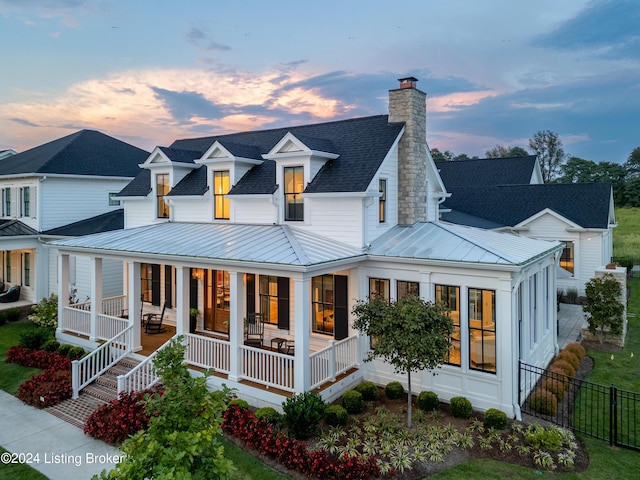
(408, 82)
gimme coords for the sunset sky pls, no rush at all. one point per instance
(495, 72)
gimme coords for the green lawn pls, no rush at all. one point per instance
(626, 236)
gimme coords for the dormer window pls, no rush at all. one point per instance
(25, 193)
(293, 188)
(6, 201)
(162, 189)
(221, 186)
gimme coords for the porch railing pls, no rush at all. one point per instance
(337, 358)
(87, 369)
(142, 376)
(108, 326)
(208, 352)
(76, 320)
(114, 306)
(271, 369)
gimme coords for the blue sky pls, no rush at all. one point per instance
(495, 72)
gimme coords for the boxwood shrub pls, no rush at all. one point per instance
(269, 415)
(336, 415)
(352, 401)
(461, 407)
(394, 390)
(494, 418)
(369, 391)
(428, 401)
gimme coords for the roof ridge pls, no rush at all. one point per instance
(297, 248)
(451, 228)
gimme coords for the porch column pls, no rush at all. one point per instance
(63, 288)
(236, 325)
(133, 299)
(182, 300)
(96, 295)
(301, 308)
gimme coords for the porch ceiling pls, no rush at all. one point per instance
(269, 244)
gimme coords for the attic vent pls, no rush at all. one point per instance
(408, 82)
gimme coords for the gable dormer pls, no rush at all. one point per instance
(234, 158)
(298, 159)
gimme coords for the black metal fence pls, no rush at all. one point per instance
(598, 411)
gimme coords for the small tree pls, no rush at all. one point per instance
(411, 334)
(603, 306)
(184, 438)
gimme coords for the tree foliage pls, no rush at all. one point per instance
(603, 306)
(447, 155)
(500, 151)
(184, 438)
(548, 147)
(410, 334)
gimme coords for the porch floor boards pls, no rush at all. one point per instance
(152, 341)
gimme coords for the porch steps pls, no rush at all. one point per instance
(101, 391)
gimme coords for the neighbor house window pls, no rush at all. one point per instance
(382, 202)
(293, 188)
(482, 330)
(6, 201)
(27, 268)
(25, 207)
(162, 189)
(404, 289)
(113, 199)
(221, 186)
(566, 259)
(450, 296)
(7, 265)
(379, 287)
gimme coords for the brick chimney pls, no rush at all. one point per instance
(408, 104)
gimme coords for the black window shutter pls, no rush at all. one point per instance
(193, 289)
(251, 293)
(155, 284)
(283, 303)
(340, 307)
(168, 285)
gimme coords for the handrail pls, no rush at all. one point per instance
(143, 375)
(87, 369)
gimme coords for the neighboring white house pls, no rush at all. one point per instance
(507, 194)
(300, 223)
(62, 188)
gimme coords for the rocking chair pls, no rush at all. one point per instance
(254, 330)
(153, 322)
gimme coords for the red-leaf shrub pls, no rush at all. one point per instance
(47, 389)
(115, 421)
(37, 358)
(50, 387)
(293, 454)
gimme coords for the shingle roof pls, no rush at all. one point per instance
(139, 186)
(104, 222)
(15, 228)
(586, 204)
(86, 152)
(180, 155)
(362, 144)
(193, 184)
(487, 171)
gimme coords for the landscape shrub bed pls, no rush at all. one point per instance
(115, 421)
(292, 453)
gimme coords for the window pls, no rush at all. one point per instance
(379, 287)
(382, 202)
(113, 199)
(293, 188)
(27, 269)
(482, 330)
(6, 201)
(450, 296)
(566, 259)
(322, 304)
(162, 189)
(533, 299)
(405, 289)
(146, 282)
(7, 264)
(221, 186)
(25, 201)
(269, 298)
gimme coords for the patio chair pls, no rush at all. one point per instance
(153, 322)
(254, 330)
(11, 295)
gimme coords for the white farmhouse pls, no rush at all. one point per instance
(287, 229)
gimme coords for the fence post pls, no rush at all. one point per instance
(613, 415)
(332, 360)
(121, 386)
(75, 378)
